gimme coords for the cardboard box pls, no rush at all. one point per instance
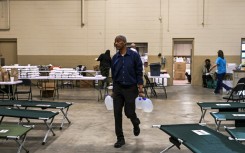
(86, 84)
(47, 93)
(179, 75)
(180, 66)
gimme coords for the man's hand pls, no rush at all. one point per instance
(141, 94)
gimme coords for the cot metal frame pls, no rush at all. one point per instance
(226, 116)
(18, 138)
(221, 106)
(199, 139)
(62, 106)
(46, 116)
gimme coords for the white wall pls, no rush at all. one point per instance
(50, 27)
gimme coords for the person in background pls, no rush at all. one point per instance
(133, 47)
(127, 78)
(105, 65)
(188, 76)
(221, 71)
(206, 73)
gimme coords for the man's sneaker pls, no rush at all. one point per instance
(119, 143)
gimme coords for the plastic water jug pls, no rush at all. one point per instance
(138, 102)
(147, 105)
(109, 102)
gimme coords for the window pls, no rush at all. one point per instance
(243, 55)
(243, 47)
(142, 48)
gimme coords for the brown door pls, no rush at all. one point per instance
(8, 51)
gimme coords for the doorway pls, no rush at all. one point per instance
(182, 60)
(8, 51)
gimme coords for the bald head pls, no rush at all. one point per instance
(133, 45)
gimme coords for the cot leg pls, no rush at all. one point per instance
(175, 142)
(166, 149)
(21, 144)
(64, 117)
(50, 128)
(202, 116)
(26, 118)
(172, 140)
(1, 119)
(217, 123)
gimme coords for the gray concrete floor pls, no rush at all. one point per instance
(92, 127)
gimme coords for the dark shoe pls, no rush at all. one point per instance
(119, 143)
(136, 124)
(136, 130)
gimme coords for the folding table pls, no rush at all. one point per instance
(92, 78)
(11, 95)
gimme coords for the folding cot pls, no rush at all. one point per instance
(236, 133)
(227, 116)
(221, 106)
(63, 106)
(200, 139)
(46, 116)
(15, 132)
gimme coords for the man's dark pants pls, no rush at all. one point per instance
(124, 96)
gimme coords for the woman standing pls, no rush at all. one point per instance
(221, 71)
(105, 65)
